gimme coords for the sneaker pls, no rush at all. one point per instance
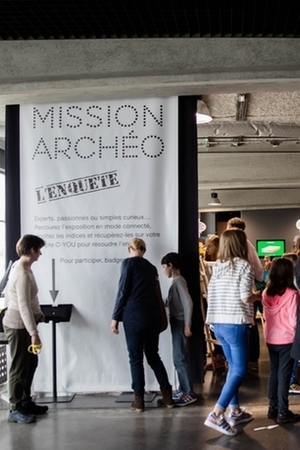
(186, 399)
(19, 416)
(176, 395)
(219, 424)
(36, 410)
(294, 388)
(236, 419)
(287, 417)
(272, 413)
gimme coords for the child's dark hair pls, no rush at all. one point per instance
(172, 258)
(281, 277)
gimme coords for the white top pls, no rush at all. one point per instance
(229, 284)
(23, 310)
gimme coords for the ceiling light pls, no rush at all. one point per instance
(214, 199)
(203, 114)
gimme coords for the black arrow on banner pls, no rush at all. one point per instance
(53, 292)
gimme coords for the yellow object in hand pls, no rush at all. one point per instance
(35, 348)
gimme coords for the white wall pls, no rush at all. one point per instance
(272, 224)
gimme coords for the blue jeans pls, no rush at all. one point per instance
(181, 355)
(143, 337)
(281, 367)
(235, 342)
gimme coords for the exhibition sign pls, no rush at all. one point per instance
(93, 175)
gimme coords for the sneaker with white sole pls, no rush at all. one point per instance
(294, 388)
(19, 416)
(219, 424)
(235, 419)
(186, 399)
(176, 395)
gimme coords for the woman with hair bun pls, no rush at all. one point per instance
(137, 306)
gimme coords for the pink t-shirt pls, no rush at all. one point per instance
(280, 314)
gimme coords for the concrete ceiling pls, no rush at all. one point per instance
(120, 19)
(251, 164)
(58, 51)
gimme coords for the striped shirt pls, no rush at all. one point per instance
(229, 284)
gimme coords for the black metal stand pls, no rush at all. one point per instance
(60, 313)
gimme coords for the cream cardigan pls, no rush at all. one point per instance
(23, 310)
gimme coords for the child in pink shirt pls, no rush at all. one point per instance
(280, 302)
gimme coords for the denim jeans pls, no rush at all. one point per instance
(142, 337)
(281, 367)
(181, 355)
(235, 342)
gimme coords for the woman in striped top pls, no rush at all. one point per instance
(230, 312)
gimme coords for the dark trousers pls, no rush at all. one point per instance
(254, 336)
(294, 376)
(22, 367)
(254, 344)
(281, 367)
(143, 338)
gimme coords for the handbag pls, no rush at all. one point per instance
(162, 309)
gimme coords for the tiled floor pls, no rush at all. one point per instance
(101, 422)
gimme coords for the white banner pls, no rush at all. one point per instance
(94, 175)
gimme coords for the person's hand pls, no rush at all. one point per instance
(114, 326)
(35, 339)
(187, 331)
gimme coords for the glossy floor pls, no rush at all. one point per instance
(100, 422)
